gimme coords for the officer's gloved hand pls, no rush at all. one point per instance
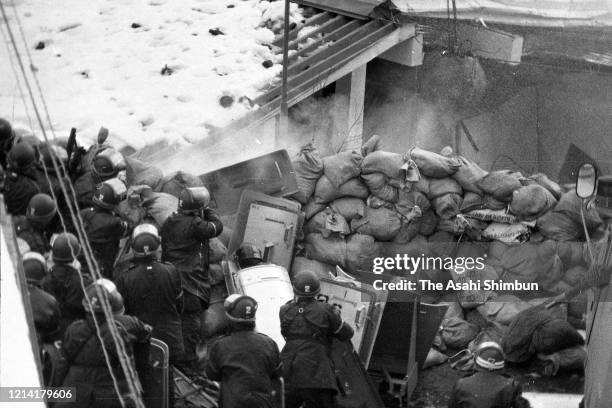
(337, 309)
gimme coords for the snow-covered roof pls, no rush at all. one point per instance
(147, 70)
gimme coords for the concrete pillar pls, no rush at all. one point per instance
(353, 86)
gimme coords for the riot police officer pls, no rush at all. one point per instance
(248, 255)
(20, 183)
(33, 227)
(152, 290)
(64, 280)
(45, 308)
(106, 165)
(104, 228)
(185, 236)
(488, 386)
(246, 362)
(309, 327)
(7, 138)
(87, 368)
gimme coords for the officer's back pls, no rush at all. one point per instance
(152, 290)
(20, 183)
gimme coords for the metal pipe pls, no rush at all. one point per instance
(283, 127)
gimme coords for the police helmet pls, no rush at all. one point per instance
(490, 356)
(100, 290)
(240, 308)
(107, 164)
(65, 248)
(21, 156)
(35, 266)
(248, 255)
(145, 240)
(193, 199)
(306, 284)
(6, 130)
(109, 193)
(41, 209)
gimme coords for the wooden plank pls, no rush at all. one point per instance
(409, 53)
(312, 64)
(329, 26)
(314, 20)
(333, 36)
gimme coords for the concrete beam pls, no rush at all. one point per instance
(490, 43)
(408, 53)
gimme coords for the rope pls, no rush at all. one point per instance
(123, 358)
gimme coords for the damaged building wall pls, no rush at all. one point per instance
(525, 118)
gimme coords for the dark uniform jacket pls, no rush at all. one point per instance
(46, 313)
(36, 236)
(64, 283)
(104, 230)
(19, 188)
(309, 327)
(84, 357)
(152, 292)
(84, 188)
(245, 362)
(487, 390)
(185, 245)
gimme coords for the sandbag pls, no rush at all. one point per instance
(407, 232)
(428, 223)
(371, 145)
(471, 201)
(557, 226)
(378, 184)
(308, 168)
(500, 184)
(574, 275)
(468, 175)
(525, 262)
(408, 200)
(217, 251)
(311, 208)
(567, 360)
(301, 264)
(570, 204)
(328, 250)
(543, 180)
(383, 162)
(142, 173)
(433, 164)
(349, 207)
(417, 247)
(375, 202)
(471, 298)
(342, 167)
(381, 223)
(360, 253)
(503, 308)
(490, 202)
(327, 222)
(215, 273)
(325, 192)
(160, 206)
(531, 202)
(175, 182)
(447, 206)
(441, 186)
(506, 232)
(457, 333)
(422, 185)
(499, 216)
(555, 335)
(442, 244)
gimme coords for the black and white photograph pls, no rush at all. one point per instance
(306, 204)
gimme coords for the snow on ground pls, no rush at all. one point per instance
(102, 64)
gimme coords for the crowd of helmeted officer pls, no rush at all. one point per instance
(162, 292)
